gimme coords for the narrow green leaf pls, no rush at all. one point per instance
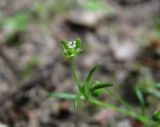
(140, 97)
(76, 101)
(158, 85)
(69, 96)
(154, 92)
(78, 42)
(78, 51)
(84, 90)
(98, 92)
(64, 44)
(63, 95)
(156, 116)
(101, 85)
(142, 118)
(90, 74)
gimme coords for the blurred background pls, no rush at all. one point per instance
(124, 35)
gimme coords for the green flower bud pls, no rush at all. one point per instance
(71, 48)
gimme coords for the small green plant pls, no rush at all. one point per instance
(89, 89)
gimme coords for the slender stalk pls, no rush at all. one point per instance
(133, 114)
(75, 76)
(106, 105)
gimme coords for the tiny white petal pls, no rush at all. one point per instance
(72, 44)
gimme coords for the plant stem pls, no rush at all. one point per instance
(106, 105)
(75, 76)
(133, 114)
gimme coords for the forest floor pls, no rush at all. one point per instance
(123, 35)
